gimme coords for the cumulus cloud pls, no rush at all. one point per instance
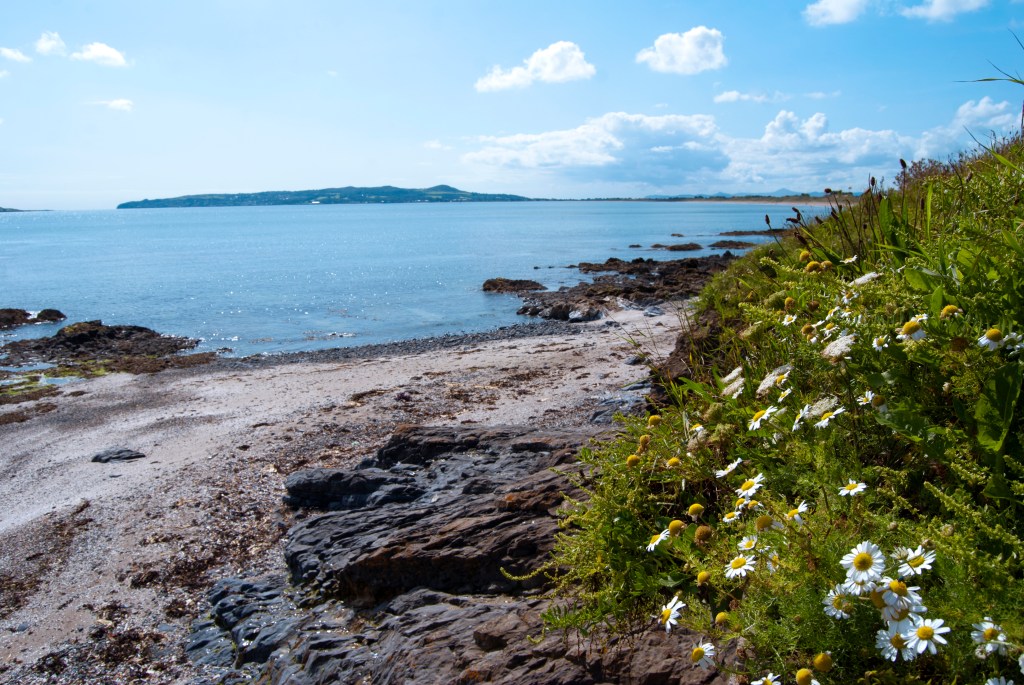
(50, 43)
(14, 55)
(674, 153)
(100, 53)
(120, 104)
(699, 49)
(557, 63)
(942, 10)
(826, 12)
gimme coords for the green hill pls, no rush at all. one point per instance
(326, 196)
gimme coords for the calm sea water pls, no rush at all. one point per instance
(277, 279)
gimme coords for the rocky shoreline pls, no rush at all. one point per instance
(343, 515)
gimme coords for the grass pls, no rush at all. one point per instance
(874, 365)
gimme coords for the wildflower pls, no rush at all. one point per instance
(764, 522)
(695, 509)
(762, 415)
(632, 461)
(721, 618)
(670, 613)
(837, 602)
(880, 343)
(852, 488)
(828, 416)
(849, 260)
(675, 527)
(770, 679)
(915, 561)
(899, 596)
(800, 416)
(879, 405)
(702, 578)
(788, 304)
(892, 645)
(785, 393)
(750, 486)
(989, 636)
(657, 540)
(731, 517)
(771, 560)
(822, 662)
(703, 655)
(703, 534)
(805, 676)
(1020, 662)
(748, 543)
(788, 319)
(812, 267)
(864, 562)
(998, 681)
(911, 331)
(739, 566)
(992, 340)
(805, 256)
(808, 329)
(950, 311)
(926, 635)
(866, 398)
(903, 619)
(722, 473)
(653, 420)
(860, 587)
(832, 312)
(673, 463)
(794, 514)
(697, 429)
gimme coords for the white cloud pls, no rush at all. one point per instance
(697, 50)
(760, 98)
(14, 55)
(100, 53)
(942, 10)
(557, 63)
(826, 12)
(120, 104)
(436, 145)
(820, 95)
(50, 43)
(637, 154)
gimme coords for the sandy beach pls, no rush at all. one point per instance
(89, 546)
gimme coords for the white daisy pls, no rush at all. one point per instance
(722, 473)
(657, 540)
(852, 488)
(849, 260)
(926, 635)
(670, 613)
(892, 645)
(739, 566)
(992, 339)
(832, 312)
(915, 561)
(898, 595)
(697, 430)
(703, 655)
(750, 486)
(828, 416)
(880, 343)
(794, 514)
(800, 416)
(1020, 662)
(911, 330)
(864, 562)
(860, 587)
(866, 398)
(998, 681)
(762, 415)
(837, 603)
(770, 679)
(785, 393)
(903, 619)
(989, 636)
(731, 517)
(748, 543)
(788, 319)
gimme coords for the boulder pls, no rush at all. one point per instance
(508, 285)
(117, 454)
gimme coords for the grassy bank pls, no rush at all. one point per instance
(838, 492)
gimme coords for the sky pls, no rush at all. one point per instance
(106, 101)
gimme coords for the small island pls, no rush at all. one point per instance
(326, 196)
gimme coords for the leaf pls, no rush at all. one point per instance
(996, 405)
(921, 280)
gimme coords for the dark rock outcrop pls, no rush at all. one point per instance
(510, 285)
(117, 454)
(401, 580)
(92, 340)
(11, 318)
(732, 244)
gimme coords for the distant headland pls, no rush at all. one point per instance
(8, 209)
(326, 196)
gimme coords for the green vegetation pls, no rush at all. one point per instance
(326, 196)
(837, 494)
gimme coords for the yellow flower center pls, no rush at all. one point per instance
(697, 654)
(807, 329)
(914, 562)
(823, 662)
(898, 587)
(665, 615)
(879, 341)
(675, 527)
(902, 614)
(759, 415)
(994, 334)
(804, 676)
(925, 633)
(948, 311)
(827, 415)
(877, 600)
(747, 485)
(830, 326)
(696, 509)
(674, 462)
(632, 460)
(703, 577)
(738, 562)
(863, 561)
(763, 522)
(793, 513)
(655, 539)
(898, 642)
(748, 544)
(839, 602)
(721, 618)
(850, 487)
(877, 401)
(730, 516)
(780, 379)
(990, 634)
(911, 327)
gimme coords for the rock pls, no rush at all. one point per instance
(683, 247)
(93, 339)
(117, 454)
(50, 316)
(507, 285)
(732, 244)
(9, 318)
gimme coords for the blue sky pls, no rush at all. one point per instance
(113, 100)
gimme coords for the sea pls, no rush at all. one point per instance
(265, 280)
